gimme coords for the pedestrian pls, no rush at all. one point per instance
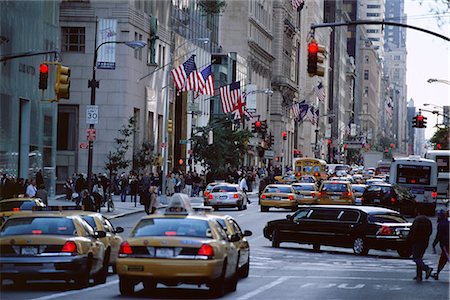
(123, 186)
(39, 178)
(244, 187)
(69, 188)
(42, 194)
(418, 238)
(31, 189)
(151, 205)
(97, 194)
(80, 185)
(86, 201)
(188, 184)
(442, 237)
(171, 181)
(134, 187)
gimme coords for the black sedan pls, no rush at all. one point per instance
(359, 227)
(390, 196)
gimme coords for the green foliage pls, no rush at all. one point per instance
(212, 6)
(116, 160)
(227, 150)
(144, 157)
(441, 136)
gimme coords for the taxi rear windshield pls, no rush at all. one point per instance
(38, 226)
(306, 187)
(21, 205)
(335, 187)
(223, 189)
(172, 227)
(278, 189)
(385, 218)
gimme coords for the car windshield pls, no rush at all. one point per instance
(278, 189)
(379, 188)
(172, 227)
(385, 218)
(17, 205)
(38, 226)
(223, 189)
(334, 187)
(358, 189)
(305, 187)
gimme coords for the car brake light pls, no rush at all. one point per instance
(290, 197)
(313, 194)
(210, 196)
(321, 194)
(434, 194)
(385, 230)
(299, 174)
(235, 196)
(263, 196)
(206, 250)
(125, 248)
(69, 247)
(36, 231)
(16, 209)
(392, 200)
(206, 193)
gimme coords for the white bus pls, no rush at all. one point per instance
(442, 159)
(419, 175)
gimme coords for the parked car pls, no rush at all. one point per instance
(335, 192)
(358, 190)
(390, 196)
(306, 192)
(227, 195)
(359, 227)
(279, 196)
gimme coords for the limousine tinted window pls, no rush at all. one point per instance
(325, 214)
(386, 218)
(302, 214)
(350, 216)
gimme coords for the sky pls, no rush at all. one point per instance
(428, 57)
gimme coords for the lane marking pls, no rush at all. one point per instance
(68, 293)
(334, 277)
(264, 288)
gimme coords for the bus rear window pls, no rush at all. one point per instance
(409, 174)
(442, 164)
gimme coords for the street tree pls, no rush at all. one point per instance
(226, 151)
(442, 138)
(144, 156)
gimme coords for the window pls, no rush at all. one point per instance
(67, 120)
(373, 14)
(366, 58)
(324, 214)
(349, 216)
(136, 51)
(373, 6)
(366, 74)
(73, 39)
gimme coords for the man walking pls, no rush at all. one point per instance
(418, 237)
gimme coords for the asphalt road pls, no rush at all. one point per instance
(290, 272)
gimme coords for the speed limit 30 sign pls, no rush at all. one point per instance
(92, 114)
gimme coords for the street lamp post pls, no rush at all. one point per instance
(94, 84)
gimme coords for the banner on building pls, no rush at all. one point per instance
(250, 98)
(107, 32)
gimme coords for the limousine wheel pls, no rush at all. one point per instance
(316, 247)
(275, 239)
(359, 246)
(264, 208)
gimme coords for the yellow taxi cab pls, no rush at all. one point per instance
(112, 240)
(306, 192)
(232, 228)
(20, 205)
(177, 247)
(288, 179)
(335, 192)
(279, 196)
(49, 246)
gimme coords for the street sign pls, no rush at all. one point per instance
(184, 142)
(269, 154)
(84, 145)
(92, 114)
(91, 134)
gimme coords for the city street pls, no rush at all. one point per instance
(289, 272)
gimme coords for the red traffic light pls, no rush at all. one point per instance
(180, 162)
(419, 118)
(258, 124)
(438, 146)
(313, 48)
(284, 134)
(43, 68)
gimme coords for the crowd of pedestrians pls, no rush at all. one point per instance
(11, 187)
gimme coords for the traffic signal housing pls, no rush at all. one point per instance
(420, 121)
(62, 82)
(414, 122)
(43, 76)
(313, 49)
(284, 135)
(169, 126)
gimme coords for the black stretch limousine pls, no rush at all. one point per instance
(358, 227)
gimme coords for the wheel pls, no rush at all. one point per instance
(316, 247)
(232, 283)
(359, 246)
(82, 280)
(114, 268)
(245, 206)
(149, 285)
(404, 252)
(244, 270)
(217, 287)
(126, 286)
(101, 276)
(264, 208)
(275, 239)
(241, 206)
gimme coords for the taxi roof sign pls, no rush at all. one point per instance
(179, 204)
(56, 208)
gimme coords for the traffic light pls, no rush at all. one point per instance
(258, 126)
(62, 82)
(269, 140)
(313, 49)
(438, 147)
(43, 76)
(284, 134)
(320, 69)
(420, 121)
(169, 126)
(424, 122)
(263, 127)
(414, 122)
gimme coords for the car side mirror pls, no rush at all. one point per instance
(99, 234)
(118, 229)
(234, 238)
(247, 233)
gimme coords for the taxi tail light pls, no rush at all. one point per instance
(263, 196)
(299, 174)
(235, 196)
(313, 194)
(210, 197)
(434, 194)
(125, 248)
(348, 194)
(206, 250)
(16, 209)
(69, 247)
(385, 230)
(392, 200)
(320, 194)
(206, 193)
(290, 197)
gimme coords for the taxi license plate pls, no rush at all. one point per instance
(223, 197)
(307, 196)
(376, 200)
(29, 250)
(276, 198)
(335, 197)
(164, 252)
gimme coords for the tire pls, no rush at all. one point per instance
(126, 286)
(232, 283)
(82, 281)
(316, 247)
(100, 277)
(404, 252)
(275, 239)
(359, 246)
(149, 285)
(245, 206)
(264, 208)
(244, 270)
(217, 287)
(114, 268)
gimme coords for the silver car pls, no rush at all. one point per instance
(227, 195)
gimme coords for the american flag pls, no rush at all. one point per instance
(208, 81)
(229, 96)
(296, 110)
(304, 108)
(186, 76)
(316, 116)
(319, 91)
(310, 115)
(297, 4)
(248, 114)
